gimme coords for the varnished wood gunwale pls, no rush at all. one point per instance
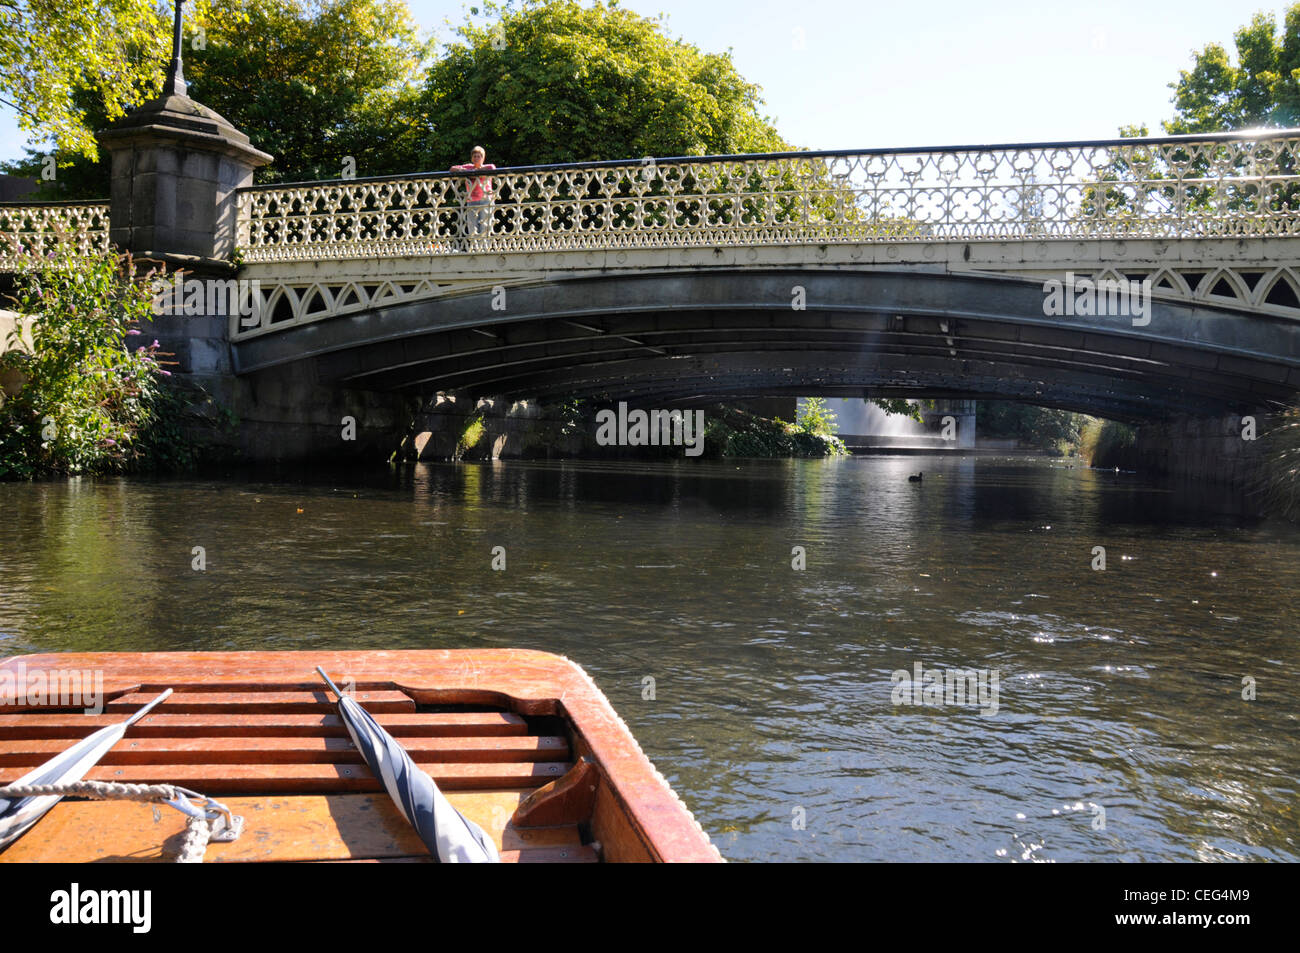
(635, 817)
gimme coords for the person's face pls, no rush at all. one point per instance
(477, 158)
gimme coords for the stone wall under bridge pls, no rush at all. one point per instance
(1224, 450)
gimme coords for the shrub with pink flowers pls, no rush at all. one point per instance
(88, 391)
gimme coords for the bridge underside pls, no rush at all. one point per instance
(703, 334)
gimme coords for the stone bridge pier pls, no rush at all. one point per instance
(954, 416)
(176, 171)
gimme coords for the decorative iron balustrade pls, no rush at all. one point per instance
(38, 229)
(1228, 185)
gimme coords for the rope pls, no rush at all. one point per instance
(101, 790)
(195, 843)
(198, 831)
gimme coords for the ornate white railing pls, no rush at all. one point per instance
(39, 228)
(1229, 185)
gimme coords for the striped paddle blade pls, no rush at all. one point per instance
(450, 836)
(17, 815)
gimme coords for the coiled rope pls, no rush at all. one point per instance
(198, 829)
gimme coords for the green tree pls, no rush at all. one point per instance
(310, 81)
(1043, 427)
(900, 406)
(76, 175)
(551, 81)
(816, 418)
(1261, 89)
(315, 81)
(116, 51)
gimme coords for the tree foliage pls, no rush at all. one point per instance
(315, 81)
(553, 81)
(113, 51)
(1041, 427)
(312, 82)
(1262, 88)
(900, 406)
(815, 417)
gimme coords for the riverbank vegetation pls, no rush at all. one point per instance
(570, 430)
(1095, 440)
(1044, 429)
(733, 432)
(1108, 444)
(85, 389)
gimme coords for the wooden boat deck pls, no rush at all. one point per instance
(259, 731)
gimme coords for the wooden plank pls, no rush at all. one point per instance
(161, 751)
(542, 855)
(266, 703)
(260, 778)
(304, 828)
(406, 724)
(551, 855)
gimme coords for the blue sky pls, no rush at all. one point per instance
(842, 74)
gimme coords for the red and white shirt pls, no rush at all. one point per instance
(479, 187)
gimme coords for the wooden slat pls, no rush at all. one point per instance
(305, 828)
(405, 724)
(266, 703)
(162, 751)
(551, 855)
(542, 855)
(260, 778)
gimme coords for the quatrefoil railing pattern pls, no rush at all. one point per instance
(1220, 186)
(38, 229)
(1224, 186)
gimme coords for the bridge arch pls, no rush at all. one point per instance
(726, 332)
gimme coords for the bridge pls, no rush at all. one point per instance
(914, 272)
(922, 272)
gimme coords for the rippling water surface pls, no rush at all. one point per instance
(1119, 691)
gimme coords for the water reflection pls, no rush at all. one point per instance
(1119, 689)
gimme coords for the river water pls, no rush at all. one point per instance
(1120, 730)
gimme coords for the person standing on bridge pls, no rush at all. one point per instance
(477, 217)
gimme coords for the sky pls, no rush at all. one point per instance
(845, 74)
